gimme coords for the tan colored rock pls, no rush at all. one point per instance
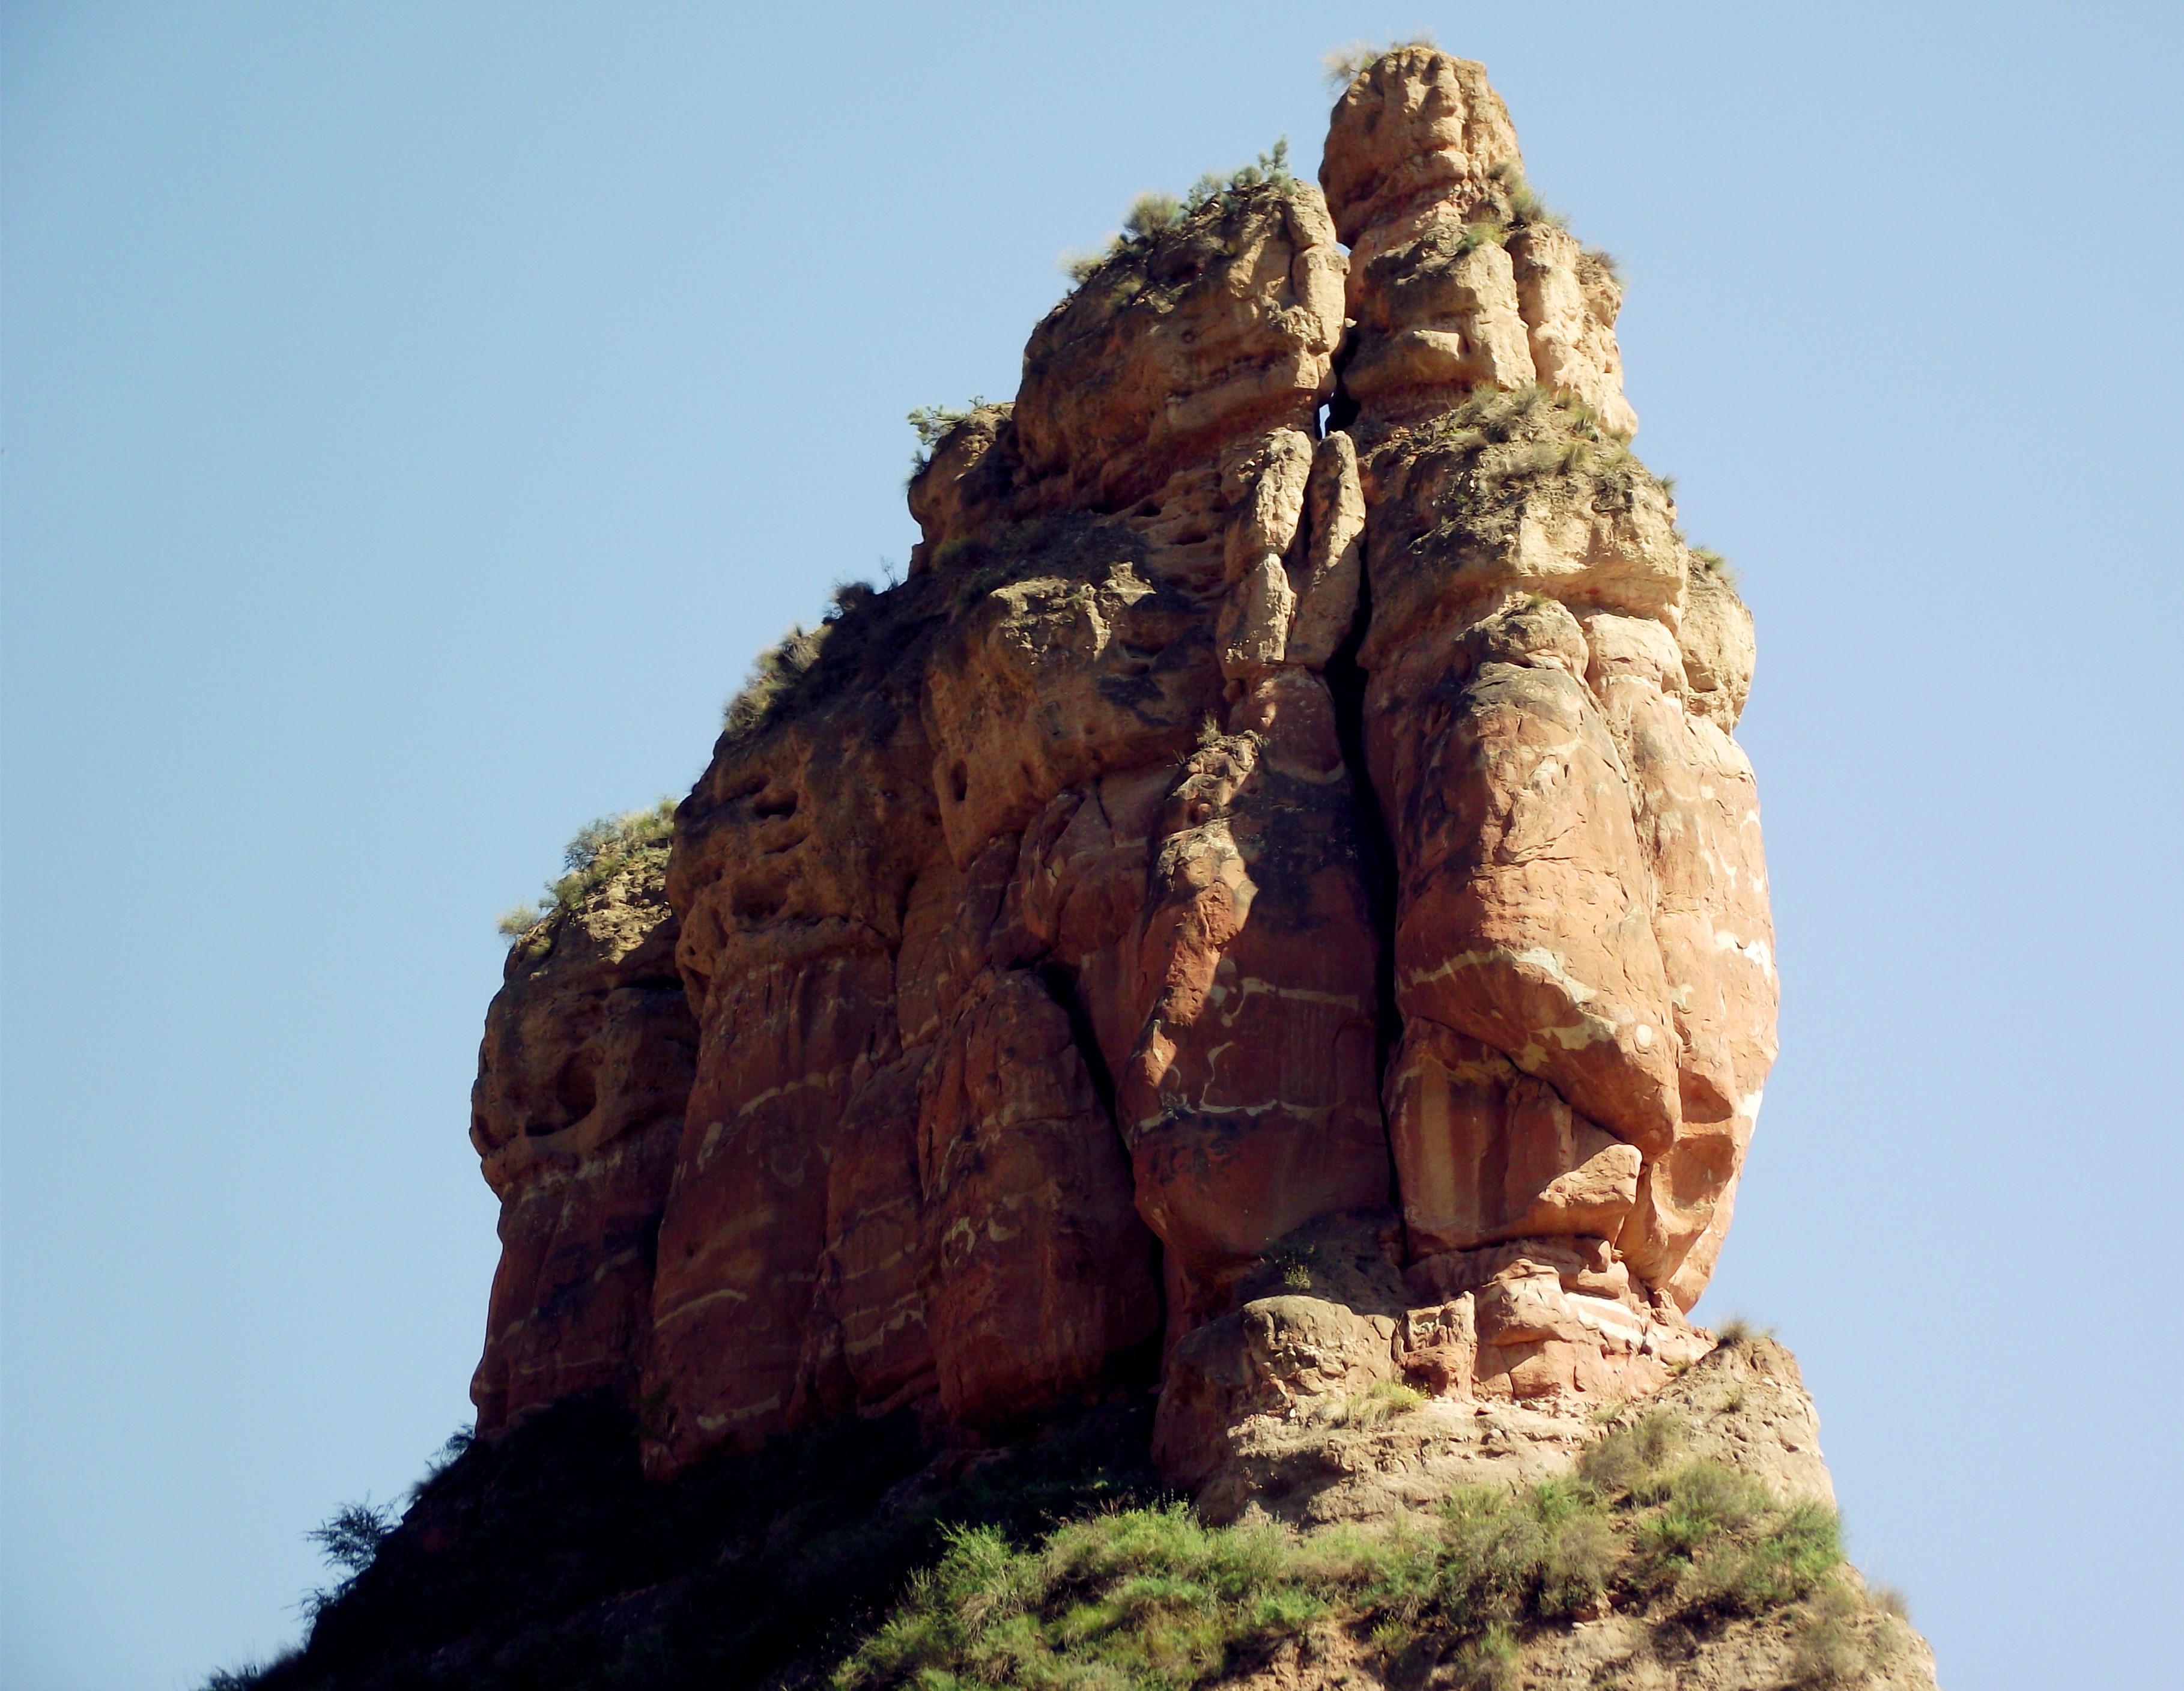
(1112, 957)
(965, 484)
(1525, 897)
(792, 867)
(1456, 279)
(577, 1112)
(1074, 928)
(1569, 300)
(1418, 125)
(1221, 329)
(1437, 1345)
(1334, 562)
(1047, 681)
(1698, 818)
(1436, 317)
(866, 1340)
(1266, 483)
(1715, 638)
(1258, 1360)
(1485, 1153)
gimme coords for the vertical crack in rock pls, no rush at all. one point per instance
(1061, 982)
(1283, 845)
(1345, 683)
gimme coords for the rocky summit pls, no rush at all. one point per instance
(1265, 931)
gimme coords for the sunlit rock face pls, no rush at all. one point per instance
(577, 1114)
(1289, 817)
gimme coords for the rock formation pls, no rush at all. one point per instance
(1249, 972)
(1276, 877)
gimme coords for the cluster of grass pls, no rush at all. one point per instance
(1726, 572)
(349, 1539)
(1151, 214)
(1534, 439)
(778, 673)
(1382, 1402)
(543, 1560)
(600, 851)
(1292, 1262)
(774, 674)
(1151, 1598)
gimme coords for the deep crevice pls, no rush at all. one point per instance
(1060, 983)
(1142, 1364)
(1345, 683)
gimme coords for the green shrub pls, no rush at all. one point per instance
(1698, 1503)
(595, 854)
(1053, 1566)
(932, 422)
(1830, 1646)
(1526, 208)
(1155, 213)
(1628, 1458)
(1487, 231)
(1149, 214)
(1143, 1597)
(516, 922)
(1489, 1662)
(1272, 167)
(1741, 1576)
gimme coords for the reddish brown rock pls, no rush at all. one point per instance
(1249, 1100)
(793, 861)
(1040, 1276)
(576, 1112)
(1223, 327)
(1235, 831)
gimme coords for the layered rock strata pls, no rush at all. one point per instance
(577, 1116)
(1285, 833)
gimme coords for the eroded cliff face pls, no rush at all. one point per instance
(1280, 867)
(576, 1115)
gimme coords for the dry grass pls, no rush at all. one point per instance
(1149, 1598)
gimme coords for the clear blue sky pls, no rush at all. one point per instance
(415, 416)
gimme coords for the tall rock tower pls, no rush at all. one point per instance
(1276, 881)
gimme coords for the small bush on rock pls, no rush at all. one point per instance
(599, 851)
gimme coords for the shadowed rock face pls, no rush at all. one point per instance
(1243, 847)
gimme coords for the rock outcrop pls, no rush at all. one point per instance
(1248, 974)
(576, 1115)
(1271, 902)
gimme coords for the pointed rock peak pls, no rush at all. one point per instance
(1417, 124)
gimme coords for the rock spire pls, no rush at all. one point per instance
(1276, 881)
